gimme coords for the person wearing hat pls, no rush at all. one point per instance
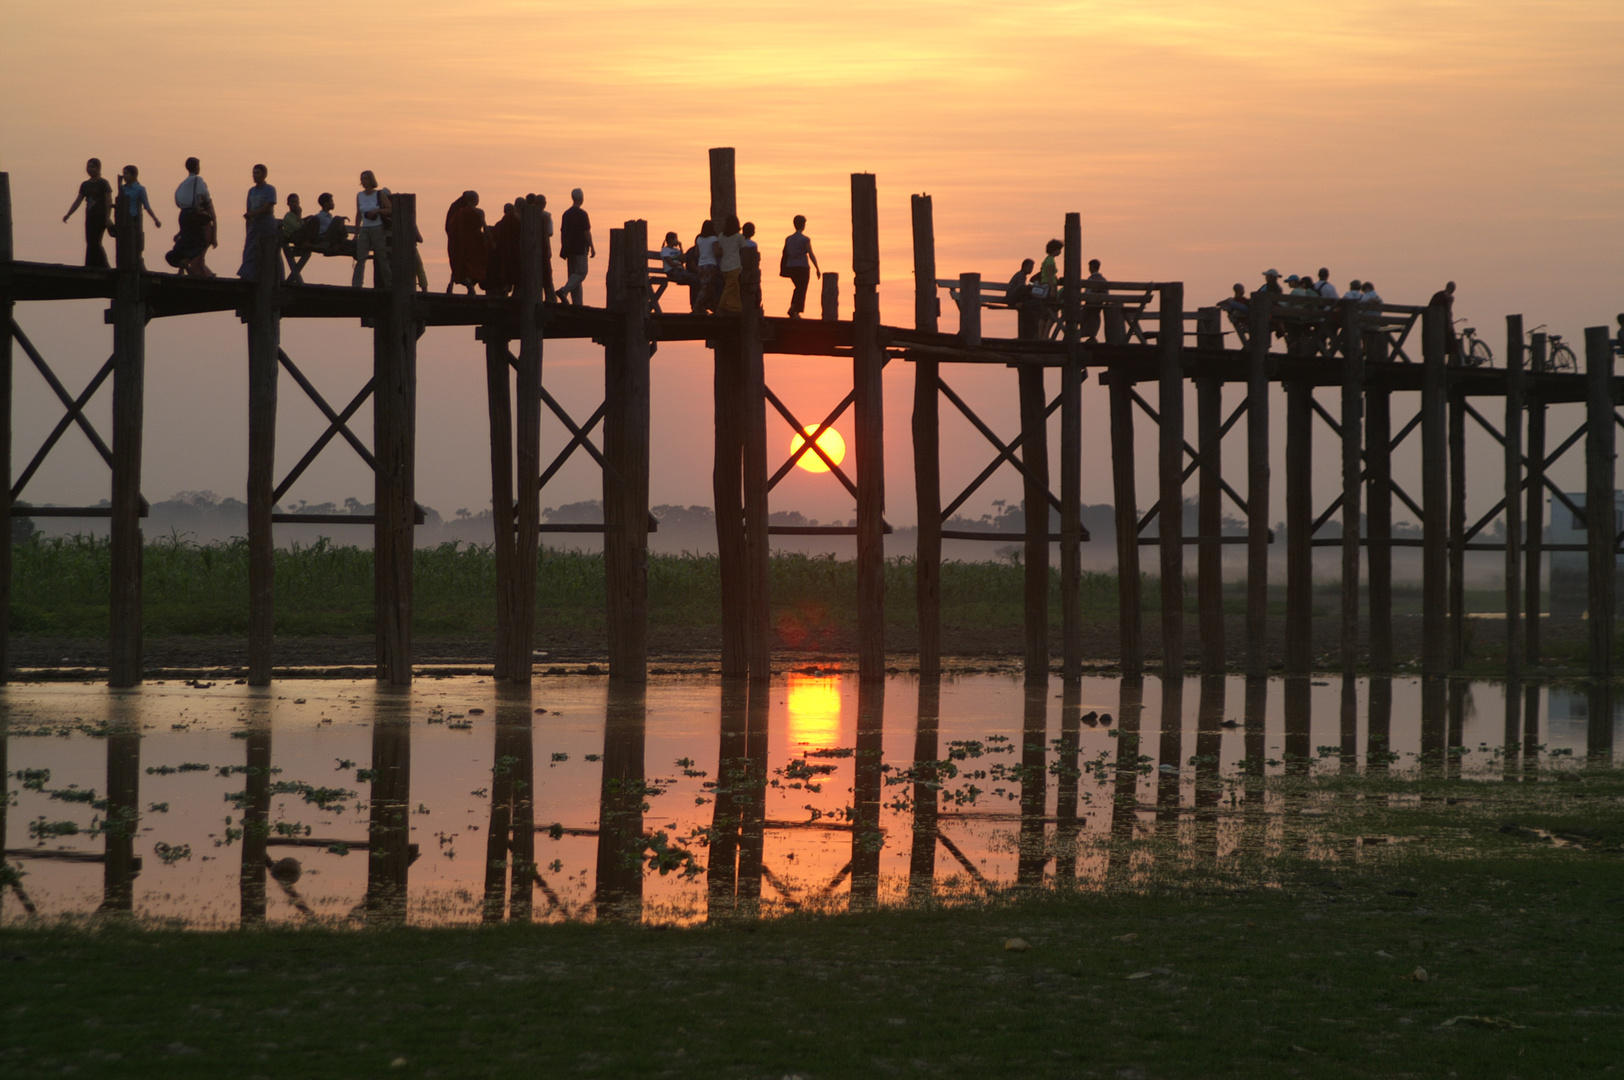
(1271, 282)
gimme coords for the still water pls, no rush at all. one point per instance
(457, 801)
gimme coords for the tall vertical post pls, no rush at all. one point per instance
(1534, 515)
(727, 479)
(970, 310)
(626, 459)
(1379, 529)
(122, 820)
(256, 810)
(1209, 398)
(1353, 380)
(1170, 463)
(1457, 523)
(1513, 513)
(1071, 461)
(1257, 491)
(927, 445)
(1299, 527)
(394, 421)
(499, 401)
(753, 459)
(868, 362)
(1035, 489)
(389, 824)
(1434, 496)
(124, 653)
(264, 340)
(1600, 507)
(1124, 494)
(829, 298)
(526, 515)
(7, 253)
(926, 803)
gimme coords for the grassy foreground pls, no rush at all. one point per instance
(1477, 948)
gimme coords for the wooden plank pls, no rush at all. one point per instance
(394, 420)
(626, 461)
(124, 656)
(927, 447)
(1170, 465)
(1035, 486)
(867, 363)
(1353, 379)
(264, 343)
(1209, 509)
(1457, 527)
(1299, 527)
(1513, 510)
(7, 307)
(1379, 524)
(1257, 491)
(969, 312)
(1600, 508)
(1534, 515)
(1123, 490)
(1434, 497)
(1071, 464)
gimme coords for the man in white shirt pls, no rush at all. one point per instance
(197, 224)
(1325, 287)
(1355, 292)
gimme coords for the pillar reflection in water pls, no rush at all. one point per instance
(1068, 776)
(1434, 725)
(1297, 700)
(1125, 788)
(1254, 790)
(1599, 734)
(1511, 746)
(727, 807)
(510, 838)
(1531, 732)
(122, 821)
(866, 838)
(926, 785)
(1349, 749)
(256, 810)
(619, 891)
(1033, 854)
(1379, 727)
(1461, 705)
(753, 798)
(389, 824)
(1209, 745)
(1170, 759)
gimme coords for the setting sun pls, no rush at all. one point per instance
(830, 442)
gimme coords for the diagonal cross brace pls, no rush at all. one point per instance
(1005, 452)
(338, 424)
(1195, 458)
(810, 444)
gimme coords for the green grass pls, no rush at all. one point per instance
(1287, 966)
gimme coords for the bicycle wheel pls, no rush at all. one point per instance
(1479, 355)
(1562, 359)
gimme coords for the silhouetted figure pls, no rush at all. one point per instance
(575, 247)
(1092, 309)
(1324, 285)
(730, 264)
(260, 216)
(538, 203)
(1019, 290)
(198, 224)
(797, 263)
(371, 208)
(295, 227)
(1271, 282)
(750, 257)
(1237, 306)
(467, 246)
(709, 278)
(97, 195)
(1356, 291)
(129, 184)
(671, 262)
(1445, 298)
(332, 232)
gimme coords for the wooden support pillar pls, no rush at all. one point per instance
(124, 654)
(256, 810)
(1353, 386)
(868, 788)
(503, 508)
(1457, 526)
(1170, 464)
(1299, 528)
(1513, 512)
(1600, 508)
(626, 457)
(927, 446)
(867, 364)
(1123, 489)
(1534, 508)
(122, 821)
(526, 515)
(7, 253)
(926, 788)
(1209, 391)
(1257, 491)
(727, 480)
(1071, 463)
(970, 310)
(264, 342)
(1379, 530)
(394, 421)
(753, 457)
(389, 822)
(829, 301)
(1035, 486)
(1434, 497)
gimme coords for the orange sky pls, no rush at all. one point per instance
(1405, 142)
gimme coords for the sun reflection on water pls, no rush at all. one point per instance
(813, 703)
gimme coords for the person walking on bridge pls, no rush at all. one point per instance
(575, 247)
(97, 195)
(371, 208)
(261, 218)
(797, 264)
(199, 228)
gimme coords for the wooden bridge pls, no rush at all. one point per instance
(1370, 353)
